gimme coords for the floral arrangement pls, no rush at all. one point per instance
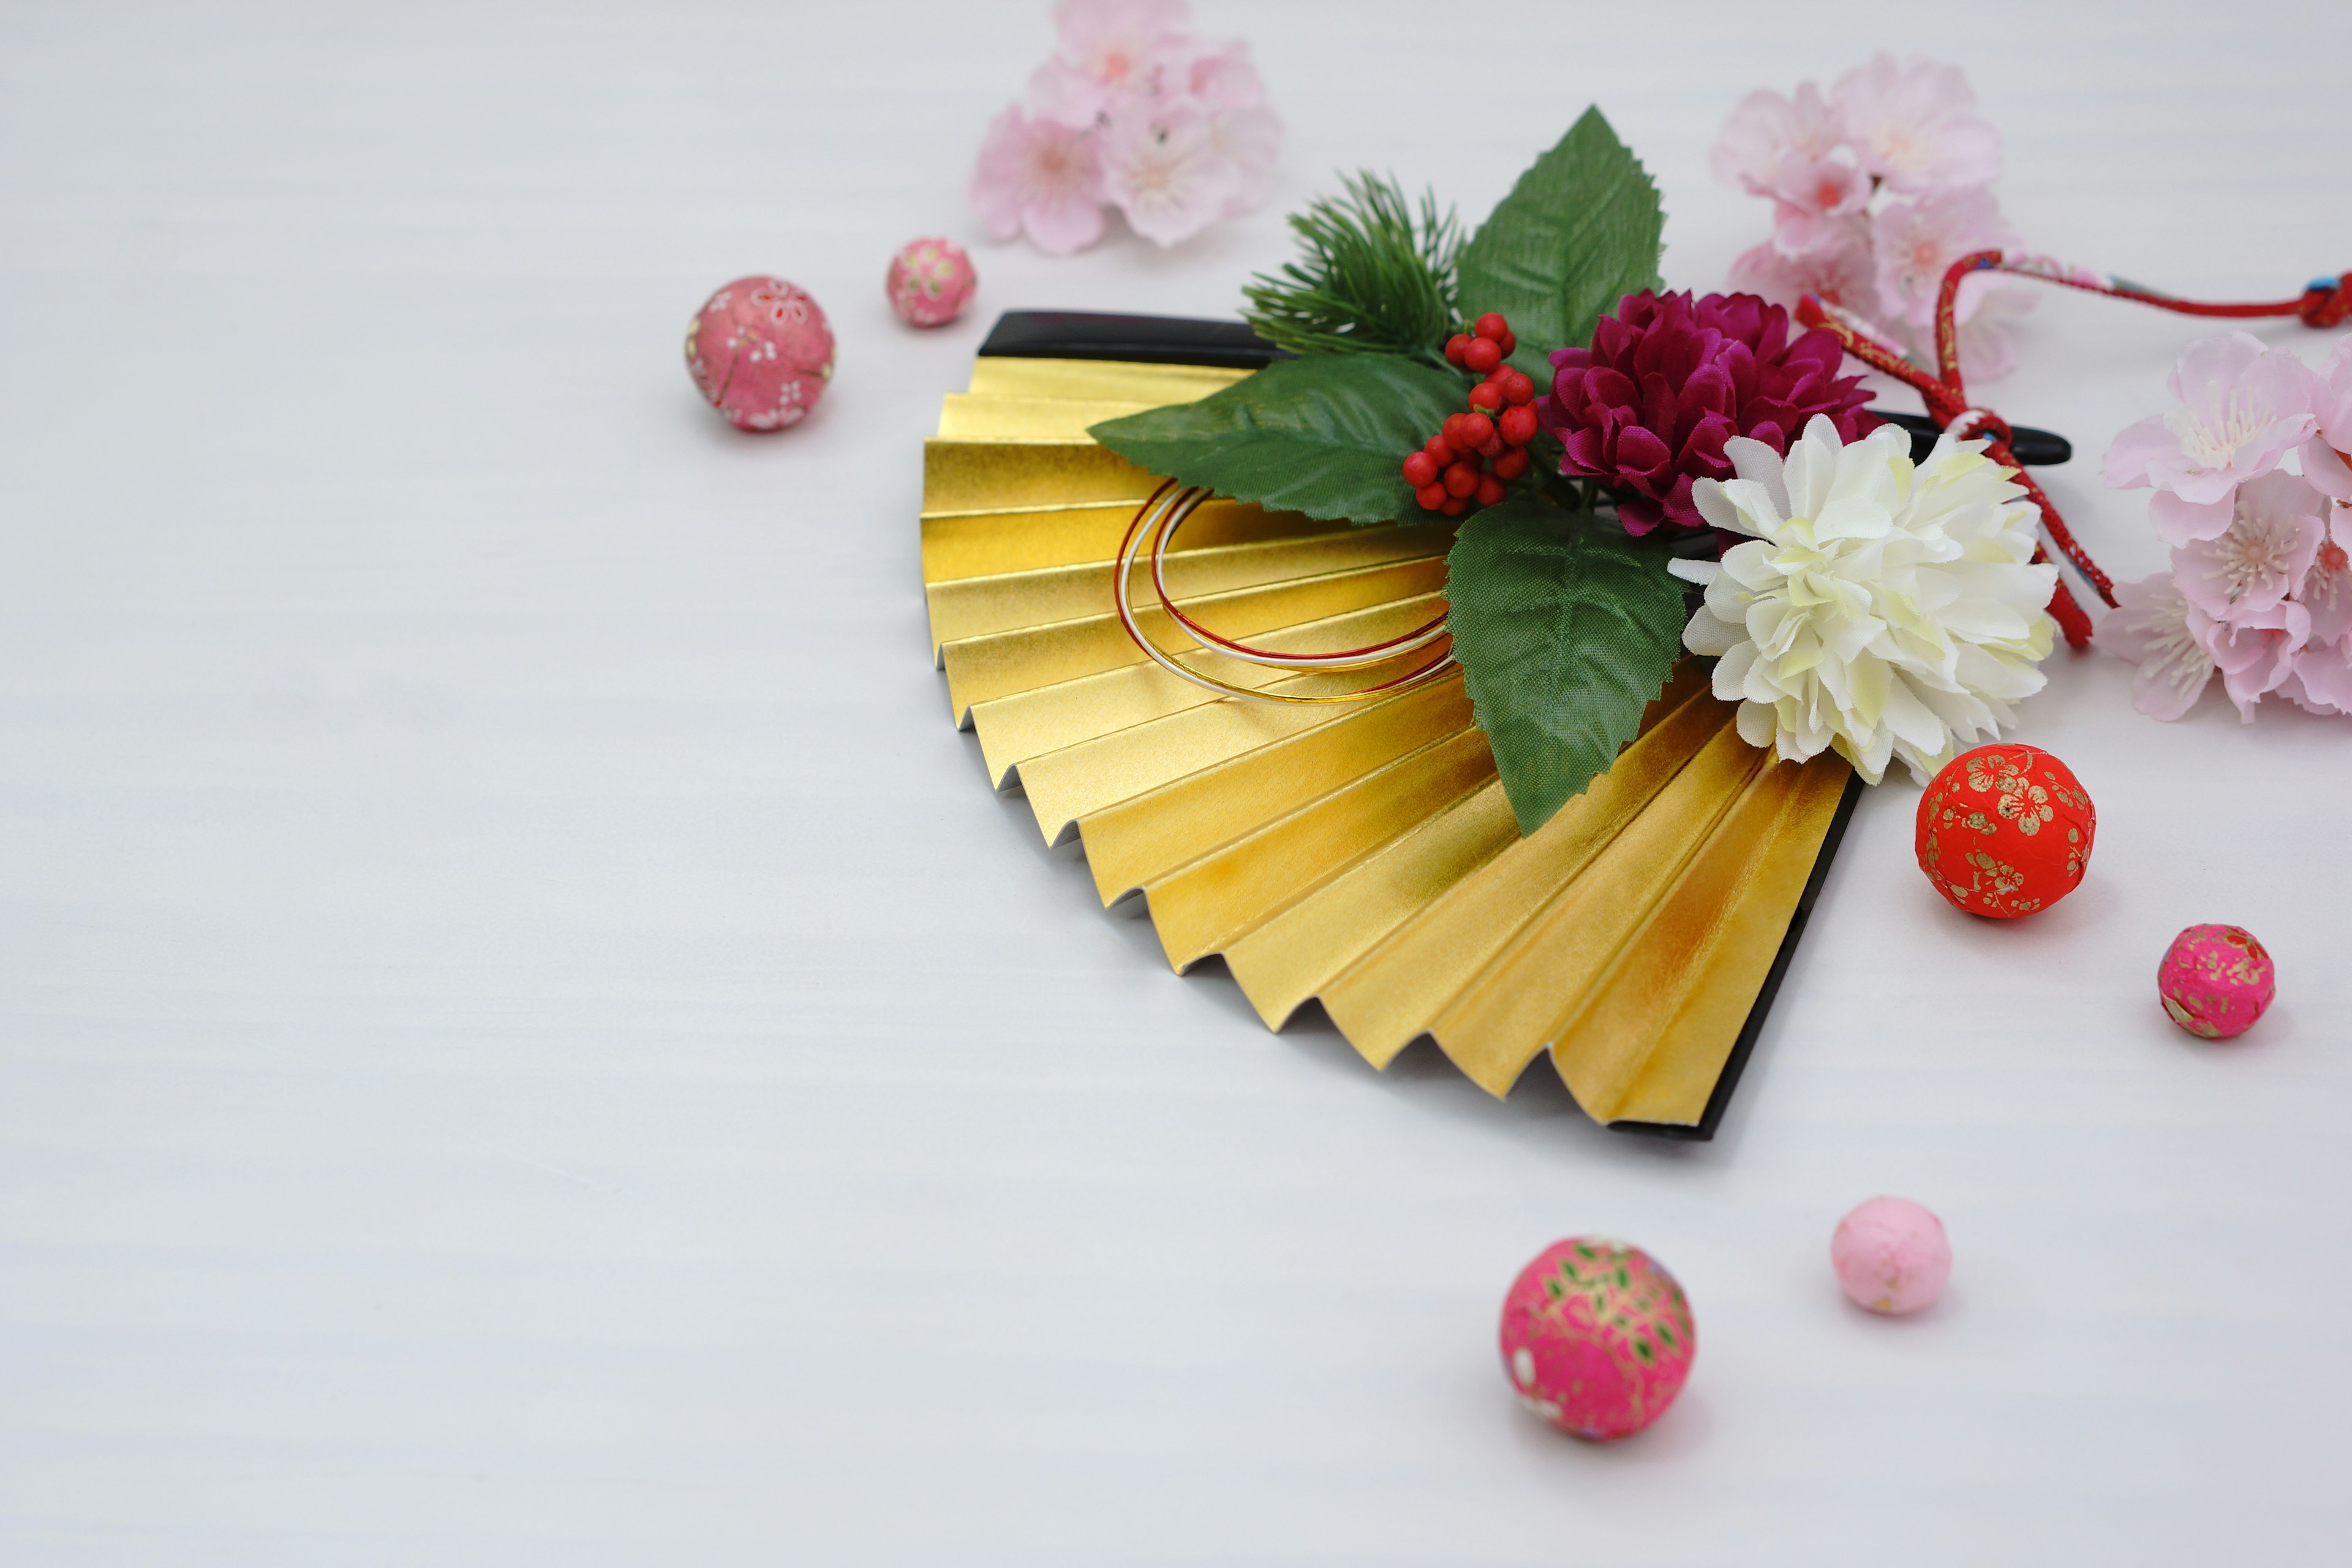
(1875, 190)
(2259, 591)
(1133, 111)
(1603, 443)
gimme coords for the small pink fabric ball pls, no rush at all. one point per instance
(931, 282)
(1891, 1255)
(2215, 981)
(760, 352)
(1597, 1338)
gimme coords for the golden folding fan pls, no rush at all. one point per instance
(1359, 854)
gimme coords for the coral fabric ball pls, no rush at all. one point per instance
(760, 352)
(1891, 1255)
(931, 282)
(2005, 830)
(2215, 981)
(1597, 1338)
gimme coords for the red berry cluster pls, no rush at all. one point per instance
(1454, 469)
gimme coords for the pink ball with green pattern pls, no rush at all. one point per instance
(931, 281)
(1597, 1338)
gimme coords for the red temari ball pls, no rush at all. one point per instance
(1597, 1338)
(2005, 830)
(761, 351)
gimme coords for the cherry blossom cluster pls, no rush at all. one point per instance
(1133, 111)
(2261, 586)
(1876, 189)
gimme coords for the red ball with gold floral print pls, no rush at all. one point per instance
(2005, 830)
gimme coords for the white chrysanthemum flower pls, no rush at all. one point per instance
(1879, 608)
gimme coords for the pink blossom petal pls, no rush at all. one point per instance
(2179, 522)
(1915, 125)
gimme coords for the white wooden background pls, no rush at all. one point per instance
(524, 1036)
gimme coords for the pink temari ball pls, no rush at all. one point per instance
(761, 352)
(1891, 1255)
(931, 282)
(1597, 1338)
(2216, 981)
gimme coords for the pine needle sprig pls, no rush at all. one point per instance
(1374, 276)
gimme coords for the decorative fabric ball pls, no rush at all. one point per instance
(2215, 981)
(1597, 1338)
(760, 352)
(931, 282)
(2005, 830)
(1891, 1255)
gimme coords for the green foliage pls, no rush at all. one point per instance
(1323, 435)
(1566, 629)
(1579, 232)
(1372, 278)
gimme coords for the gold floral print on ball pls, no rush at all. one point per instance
(2005, 830)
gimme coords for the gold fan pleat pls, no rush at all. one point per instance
(1362, 854)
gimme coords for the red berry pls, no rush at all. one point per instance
(1510, 465)
(1494, 448)
(1457, 432)
(1487, 396)
(1477, 430)
(1454, 347)
(1492, 327)
(1455, 507)
(1419, 469)
(1490, 490)
(1516, 425)
(1510, 342)
(1460, 478)
(1482, 355)
(1430, 496)
(1439, 450)
(1518, 386)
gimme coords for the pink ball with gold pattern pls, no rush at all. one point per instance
(760, 352)
(1597, 1338)
(2215, 981)
(931, 282)
(1891, 1255)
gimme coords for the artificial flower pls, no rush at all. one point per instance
(1112, 50)
(2240, 407)
(1763, 129)
(1648, 408)
(2250, 567)
(1039, 177)
(2149, 627)
(1916, 242)
(2255, 653)
(2325, 463)
(1879, 609)
(2322, 681)
(1161, 164)
(1838, 269)
(1914, 125)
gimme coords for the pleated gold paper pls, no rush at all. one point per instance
(1359, 853)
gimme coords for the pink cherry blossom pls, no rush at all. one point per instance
(1809, 196)
(1112, 50)
(1839, 268)
(2323, 460)
(2262, 557)
(2322, 681)
(2255, 653)
(1916, 126)
(1041, 177)
(1916, 242)
(1161, 164)
(2241, 407)
(1764, 128)
(2149, 627)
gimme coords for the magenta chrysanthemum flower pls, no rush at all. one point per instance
(1647, 408)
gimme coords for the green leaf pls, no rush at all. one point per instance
(1326, 434)
(1578, 232)
(1566, 629)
